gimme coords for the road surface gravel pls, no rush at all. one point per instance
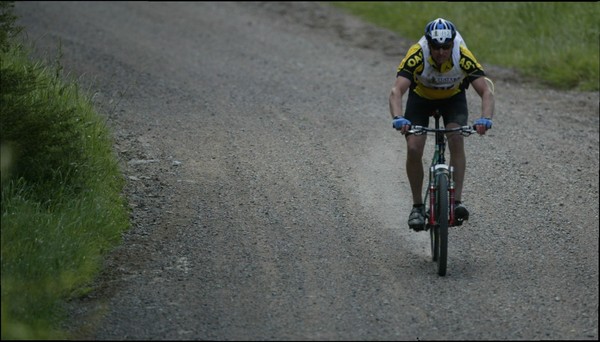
(268, 193)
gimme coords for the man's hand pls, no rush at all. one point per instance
(482, 125)
(401, 124)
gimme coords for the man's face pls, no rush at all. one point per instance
(441, 53)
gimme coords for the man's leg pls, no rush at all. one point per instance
(414, 170)
(458, 160)
(414, 166)
(456, 115)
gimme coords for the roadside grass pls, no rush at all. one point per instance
(61, 202)
(554, 42)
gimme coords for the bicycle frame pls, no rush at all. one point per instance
(438, 165)
(440, 191)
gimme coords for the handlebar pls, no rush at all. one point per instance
(419, 130)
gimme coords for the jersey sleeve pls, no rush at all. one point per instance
(412, 62)
(470, 65)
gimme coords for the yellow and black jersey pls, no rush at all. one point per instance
(431, 81)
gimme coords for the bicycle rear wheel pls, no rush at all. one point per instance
(441, 227)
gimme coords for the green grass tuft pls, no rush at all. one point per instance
(61, 202)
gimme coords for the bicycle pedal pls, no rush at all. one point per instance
(459, 222)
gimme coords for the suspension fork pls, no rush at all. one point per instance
(432, 216)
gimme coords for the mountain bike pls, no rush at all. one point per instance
(439, 195)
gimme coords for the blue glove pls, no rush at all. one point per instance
(400, 121)
(487, 123)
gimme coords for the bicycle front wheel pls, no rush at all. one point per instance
(441, 238)
(435, 242)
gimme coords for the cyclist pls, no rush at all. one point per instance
(436, 72)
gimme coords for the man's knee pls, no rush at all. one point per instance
(414, 149)
(455, 140)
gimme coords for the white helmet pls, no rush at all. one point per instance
(440, 31)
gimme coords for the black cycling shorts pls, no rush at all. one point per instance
(454, 109)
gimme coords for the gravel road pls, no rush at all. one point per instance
(268, 193)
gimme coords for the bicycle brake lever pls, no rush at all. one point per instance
(416, 130)
(467, 130)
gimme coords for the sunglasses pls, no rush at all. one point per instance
(442, 47)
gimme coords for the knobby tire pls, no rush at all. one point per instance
(441, 228)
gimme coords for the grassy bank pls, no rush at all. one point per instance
(555, 42)
(61, 201)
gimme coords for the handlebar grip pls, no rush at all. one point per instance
(467, 130)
